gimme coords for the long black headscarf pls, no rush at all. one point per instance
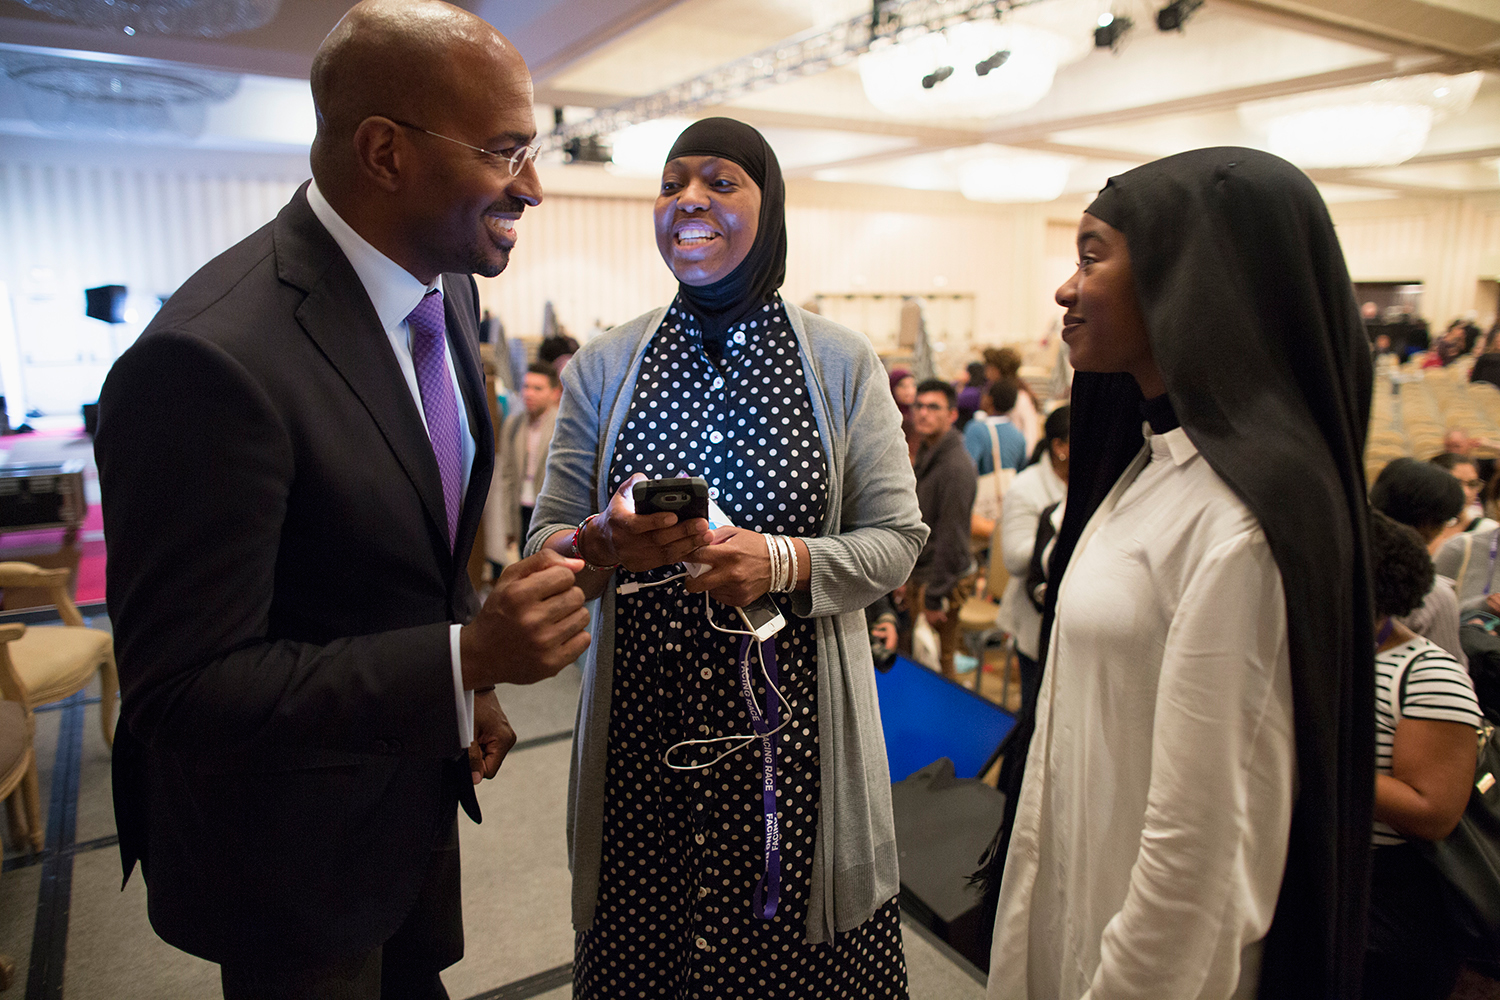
(752, 283)
(1253, 324)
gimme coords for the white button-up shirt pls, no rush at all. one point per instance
(1152, 830)
(395, 292)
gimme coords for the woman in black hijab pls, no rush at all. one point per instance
(715, 854)
(1193, 817)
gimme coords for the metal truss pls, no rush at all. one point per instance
(802, 55)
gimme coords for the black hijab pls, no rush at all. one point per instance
(1255, 330)
(752, 283)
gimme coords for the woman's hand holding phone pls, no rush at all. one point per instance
(641, 542)
(739, 567)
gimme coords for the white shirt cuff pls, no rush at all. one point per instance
(464, 700)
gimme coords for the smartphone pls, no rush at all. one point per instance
(762, 618)
(687, 498)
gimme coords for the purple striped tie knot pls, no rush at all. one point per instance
(438, 402)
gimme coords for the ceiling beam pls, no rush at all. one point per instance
(1398, 25)
(1035, 134)
(563, 19)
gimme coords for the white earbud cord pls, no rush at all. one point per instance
(743, 741)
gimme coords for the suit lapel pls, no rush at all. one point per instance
(338, 317)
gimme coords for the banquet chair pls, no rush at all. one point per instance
(53, 662)
(18, 780)
(976, 620)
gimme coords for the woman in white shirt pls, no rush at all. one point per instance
(1198, 787)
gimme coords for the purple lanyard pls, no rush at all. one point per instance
(768, 889)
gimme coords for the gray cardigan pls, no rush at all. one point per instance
(868, 542)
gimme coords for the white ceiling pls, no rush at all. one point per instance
(1157, 94)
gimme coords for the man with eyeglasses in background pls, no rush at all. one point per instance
(943, 577)
(294, 458)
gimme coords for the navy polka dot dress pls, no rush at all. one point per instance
(684, 850)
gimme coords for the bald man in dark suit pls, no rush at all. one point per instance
(294, 458)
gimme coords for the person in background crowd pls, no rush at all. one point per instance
(1422, 497)
(1003, 364)
(1448, 349)
(1201, 774)
(904, 391)
(1040, 486)
(1458, 441)
(1487, 364)
(943, 577)
(685, 882)
(556, 350)
(1425, 716)
(1473, 517)
(524, 441)
(978, 440)
(1469, 560)
(989, 439)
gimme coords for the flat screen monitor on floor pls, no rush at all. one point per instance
(926, 717)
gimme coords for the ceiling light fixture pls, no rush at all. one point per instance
(984, 66)
(201, 18)
(999, 174)
(1111, 30)
(641, 150)
(85, 95)
(1372, 125)
(936, 77)
(1175, 14)
(988, 68)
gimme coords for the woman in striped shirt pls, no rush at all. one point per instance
(1425, 716)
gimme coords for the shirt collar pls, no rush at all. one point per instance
(1174, 443)
(394, 291)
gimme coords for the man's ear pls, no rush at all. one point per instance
(380, 152)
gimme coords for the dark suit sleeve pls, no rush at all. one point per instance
(195, 469)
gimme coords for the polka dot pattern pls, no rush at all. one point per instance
(684, 850)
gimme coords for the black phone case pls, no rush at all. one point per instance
(687, 498)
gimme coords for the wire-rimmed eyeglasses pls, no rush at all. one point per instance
(516, 158)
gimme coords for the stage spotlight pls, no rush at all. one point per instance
(936, 77)
(1175, 14)
(589, 149)
(983, 67)
(1111, 30)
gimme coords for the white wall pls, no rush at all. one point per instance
(74, 215)
(1449, 245)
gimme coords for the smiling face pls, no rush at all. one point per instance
(1103, 326)
(707, 214)
(465, 203)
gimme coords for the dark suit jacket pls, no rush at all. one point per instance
(281, 591)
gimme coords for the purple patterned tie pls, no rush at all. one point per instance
(427, 334)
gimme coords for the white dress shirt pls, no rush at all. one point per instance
(395, 292)
(1152, 830)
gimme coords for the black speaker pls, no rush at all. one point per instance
(943, 826)
(107, 302)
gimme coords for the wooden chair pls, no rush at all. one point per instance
(52, 662)
(18, 781)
